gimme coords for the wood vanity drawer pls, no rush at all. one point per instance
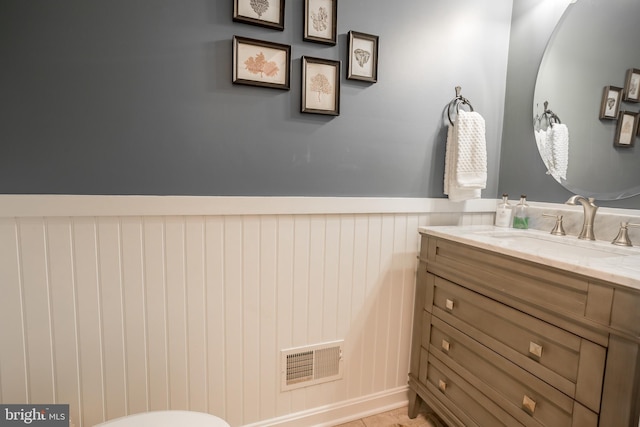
(516, 279)
(568, 362)
(525, 397)
(468, 405)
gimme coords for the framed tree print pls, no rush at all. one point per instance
(363, 57)
(320, 21)
(261, 63)
(264, 13)
(320, 86)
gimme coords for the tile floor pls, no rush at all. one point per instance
(395, 418)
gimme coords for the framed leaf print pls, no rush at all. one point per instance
(363, 57)
(261, 63)
(265, 13)
(320, 86)
(320, 21)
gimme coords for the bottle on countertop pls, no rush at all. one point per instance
(521, 214)
(503, 212)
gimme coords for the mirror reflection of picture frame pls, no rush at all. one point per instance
(362, 57)
(632, 85)
(320, 86)
(626, 129)
(320, 21)
(269, 14)
(261, 63)
(610, 106)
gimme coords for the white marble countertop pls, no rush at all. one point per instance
(598, 259)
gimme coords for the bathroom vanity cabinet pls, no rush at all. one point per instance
(500, 340)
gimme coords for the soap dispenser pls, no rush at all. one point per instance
(521, 214)
(503, 212)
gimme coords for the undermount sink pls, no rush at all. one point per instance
(563, 247)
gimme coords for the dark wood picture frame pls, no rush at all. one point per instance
(632, 85)
(627, 129)
(261, 63)
(320, 21)
(320, 86)
(362, 57)
(269, 14)
(611, 99)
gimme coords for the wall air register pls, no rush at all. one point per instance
(310, 365)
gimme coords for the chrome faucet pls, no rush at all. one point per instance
(589, 215)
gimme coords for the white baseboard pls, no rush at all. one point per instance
(342, 412)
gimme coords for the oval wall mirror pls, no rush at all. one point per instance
(593, 46)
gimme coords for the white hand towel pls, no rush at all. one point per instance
(465, 171)
(471, 161)
(541, 142)
(559, 149)
(451, 189)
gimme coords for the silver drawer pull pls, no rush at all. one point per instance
(528, 404)
(449, 304)
(442, 385)
(535, 349)
(445, 345)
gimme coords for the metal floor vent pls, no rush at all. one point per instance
(305, 366)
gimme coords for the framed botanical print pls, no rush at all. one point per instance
(265, 13)
(632, 85)
(362, 57)
(261, 63)
(320, 21)
(320, 86)
(626, 129)
(610, 105)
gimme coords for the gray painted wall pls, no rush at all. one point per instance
(135, 97)
(521, 168)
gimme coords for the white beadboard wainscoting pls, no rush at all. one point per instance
(122, 304)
